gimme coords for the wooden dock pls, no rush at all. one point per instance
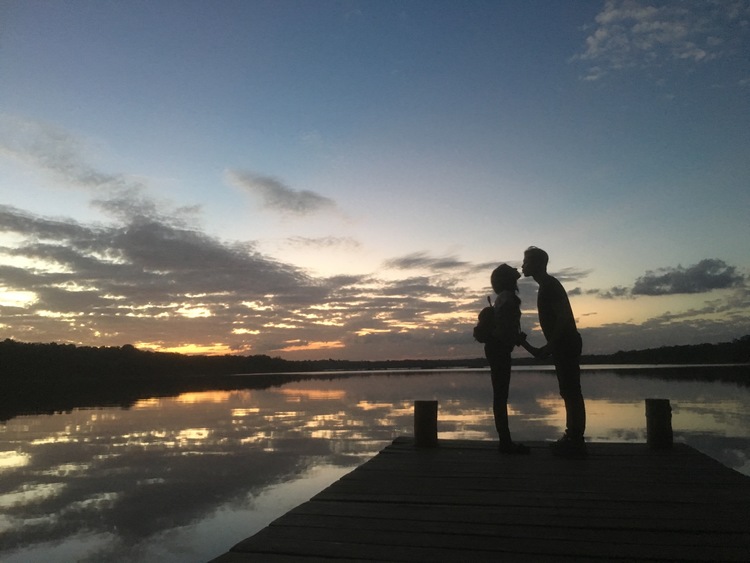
(465, 502)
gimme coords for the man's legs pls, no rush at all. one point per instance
(568, 370)
(569, 379)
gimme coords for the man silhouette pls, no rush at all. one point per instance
(564, 345)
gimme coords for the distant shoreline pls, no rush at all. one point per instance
(525, 367)
(49, 378)
(18, 359)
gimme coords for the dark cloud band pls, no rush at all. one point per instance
(702, 277)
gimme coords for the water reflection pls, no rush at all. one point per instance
(183, 478)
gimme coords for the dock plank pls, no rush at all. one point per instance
(464, 501)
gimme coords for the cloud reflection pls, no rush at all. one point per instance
(298, 395)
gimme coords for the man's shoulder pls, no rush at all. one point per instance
(549, 280)
(550, 284)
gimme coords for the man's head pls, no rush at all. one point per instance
(534, 261)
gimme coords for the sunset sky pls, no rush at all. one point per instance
(337, 178)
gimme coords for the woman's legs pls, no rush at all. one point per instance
(499, 360)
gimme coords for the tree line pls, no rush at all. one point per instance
(735, 352)
(38, 378)
(52, 360)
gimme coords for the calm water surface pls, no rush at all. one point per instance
(184, 478)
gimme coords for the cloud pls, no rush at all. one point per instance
(419, 286)
(569, 275)
(52, 149)
(615, 292)
(324, 242)
(418, 260)
(132, 203)
(279, 197)
(637, 34)
(150, 281)
(150, 276)
(146, 269)
(696, 326)
(702, 277)
(58, 153)
(707, 275)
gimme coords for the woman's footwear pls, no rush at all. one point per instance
(514, 448)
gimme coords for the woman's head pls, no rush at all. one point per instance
(504, 278)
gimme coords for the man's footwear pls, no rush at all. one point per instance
(514, 448)
(569, 447)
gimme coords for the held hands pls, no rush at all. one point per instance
(543, 352)
(538, 353)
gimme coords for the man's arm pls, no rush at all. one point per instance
(538, 353)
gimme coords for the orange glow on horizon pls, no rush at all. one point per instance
(318, 345)
(189, 349)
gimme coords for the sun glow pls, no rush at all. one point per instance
(189, 349)
(23, 299)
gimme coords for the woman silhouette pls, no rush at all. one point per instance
(505, 334)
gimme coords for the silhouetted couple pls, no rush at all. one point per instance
(499, 329)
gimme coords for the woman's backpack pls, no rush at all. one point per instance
(485, 326)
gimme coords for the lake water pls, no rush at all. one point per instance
(184, 478)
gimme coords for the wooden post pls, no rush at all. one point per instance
(658, 424)
(425, 424)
